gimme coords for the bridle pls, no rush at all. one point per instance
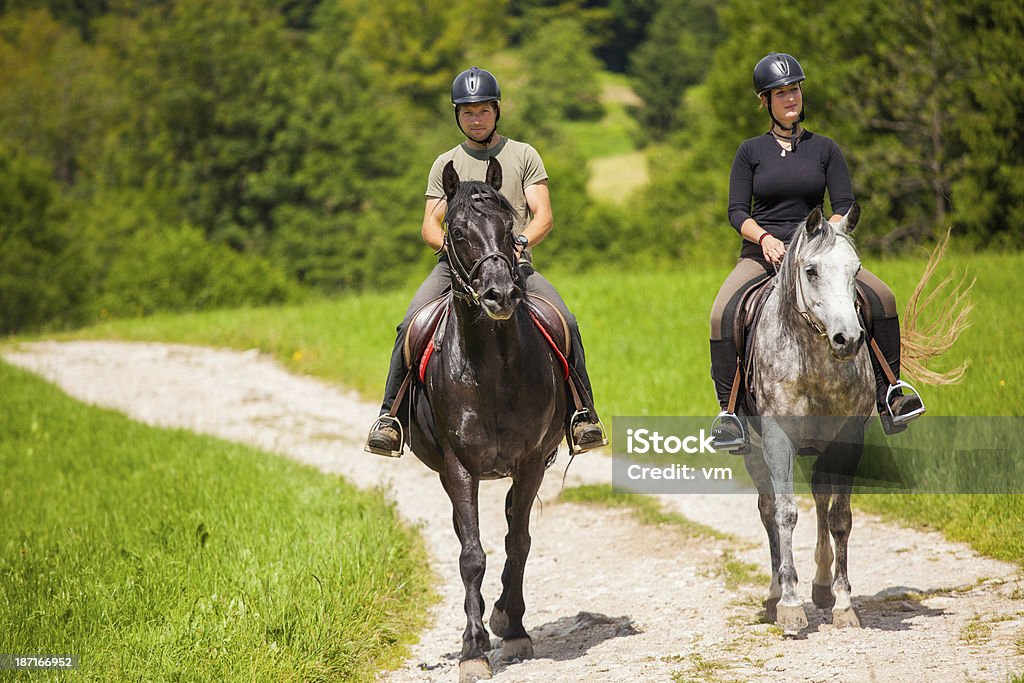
(462, 285)
(799, 302)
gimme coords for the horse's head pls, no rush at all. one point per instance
(479, 235)
(818, 273)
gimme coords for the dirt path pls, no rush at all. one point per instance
(608, 599)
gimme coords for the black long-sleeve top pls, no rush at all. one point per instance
(784, 188)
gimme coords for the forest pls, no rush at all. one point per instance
(173, 155)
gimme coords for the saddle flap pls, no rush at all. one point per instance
(422, 326)
(750, 307)
(551, 319)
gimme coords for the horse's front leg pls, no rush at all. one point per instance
(463, 489)
(766, 508)
(507, 616)
(779, 455)
(821, 586)
(840, 520)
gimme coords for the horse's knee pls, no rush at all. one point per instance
(786, 514)
(840, 519)
(518, 542)
(472, 563)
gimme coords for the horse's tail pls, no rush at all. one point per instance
(923, 340)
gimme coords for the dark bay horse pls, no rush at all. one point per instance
(492, 405)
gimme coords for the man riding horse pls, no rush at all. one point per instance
(476, 97)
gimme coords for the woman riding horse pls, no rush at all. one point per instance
(476, 97)
(785, 173)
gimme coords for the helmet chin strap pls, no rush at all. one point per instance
(791, 129)
(486, 141)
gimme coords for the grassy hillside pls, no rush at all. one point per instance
(161, 555)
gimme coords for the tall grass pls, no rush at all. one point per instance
(161, 555)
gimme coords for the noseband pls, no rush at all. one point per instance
(463, 279)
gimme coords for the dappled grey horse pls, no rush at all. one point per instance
(814, 390)
(492, 404)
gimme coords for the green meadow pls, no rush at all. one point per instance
(158, 554)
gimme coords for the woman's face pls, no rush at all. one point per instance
(787, 102)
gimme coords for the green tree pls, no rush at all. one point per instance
(42, 277)
(59, 99)
(561, 83)
(676, 55)
(415, 47)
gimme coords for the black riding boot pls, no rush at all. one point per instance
(585, 430)
(384, 438)
(886, 333)
(727, 433)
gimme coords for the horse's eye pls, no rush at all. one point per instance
(811, 271)
(456, 233)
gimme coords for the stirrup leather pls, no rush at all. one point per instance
(574, 448)
(722, 418)
(913, 414)
(382, 421)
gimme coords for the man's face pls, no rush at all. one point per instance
(478, 119)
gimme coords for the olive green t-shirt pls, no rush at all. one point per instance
(521, 166)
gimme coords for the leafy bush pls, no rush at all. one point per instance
(42, 279)
(178, 270)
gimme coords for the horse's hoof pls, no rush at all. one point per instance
(770, 610)
(791, 618)
(845, 618)
(516, 649)
(498, 622)
(822, 596)
(472, 670)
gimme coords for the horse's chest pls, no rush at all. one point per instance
(811, 385)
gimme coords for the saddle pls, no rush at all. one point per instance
(428, 324)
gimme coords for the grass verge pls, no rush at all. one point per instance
(161, 555)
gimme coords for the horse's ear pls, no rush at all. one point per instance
(449, 180)
(849, 222)
(813, 222)
(494, 173)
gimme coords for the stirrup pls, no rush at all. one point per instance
(574, 448)
(382, 421)
(913, 414)
(738, 446)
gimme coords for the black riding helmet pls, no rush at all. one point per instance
(777, 70)
(473, 86)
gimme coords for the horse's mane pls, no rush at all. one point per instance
(481, 199)
(802, 247)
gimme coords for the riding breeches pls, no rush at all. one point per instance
(749, 272)
(436, 284)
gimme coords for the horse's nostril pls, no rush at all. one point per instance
(839, 339)
(491, 295)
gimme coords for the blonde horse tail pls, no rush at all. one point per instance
(926, 336)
